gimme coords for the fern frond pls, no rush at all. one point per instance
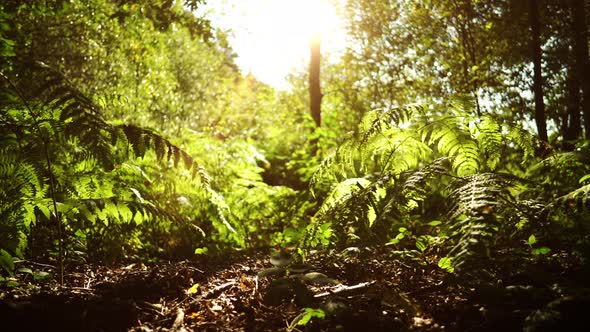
(396, 150)
(20, 186)
(450, 136)
(383, 147)
(525, 140)
(142, 139)
(473, 236)
(376, 122)
(84, 120)
(408, 191)
(417, 180)
(578, 199)
(123, 211)
(489, 138)
(478, 194)
(367, 208)
(477, 205)
(327, 170)
(558, 174)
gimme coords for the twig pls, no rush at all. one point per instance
(78, 290)
(178, 321)
(34, 263)
(256, 286)
(156, 308)
(344, 288)
(215, 292)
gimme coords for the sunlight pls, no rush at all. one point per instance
(272, 36)
(306, 19)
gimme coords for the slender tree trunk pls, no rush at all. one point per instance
(465, 29)
(572, 126)
(582, 61)
(537, 77)
(315, 93)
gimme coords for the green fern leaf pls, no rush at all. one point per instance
(489, 137)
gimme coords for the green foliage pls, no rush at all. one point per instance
(446, 264)
(411, 165)
(102, 187)
(6, 261)
(306, 316)
(137, 73)
(6, 44)
(20, 193)
(395, 151)
(153, 98)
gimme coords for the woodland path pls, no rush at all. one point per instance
(360, 290)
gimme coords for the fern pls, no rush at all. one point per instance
(375, 122)
(367, 209)
(88, 151)
(383, 146)
(19, 192)
(477, 194)
(401, 138)
(388, 173)
(524, 140)
(578, 199)
(473, 213)
(83, 120)
(488, 135)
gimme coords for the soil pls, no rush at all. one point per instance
(359, 289)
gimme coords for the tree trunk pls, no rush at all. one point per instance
(582, 62)
(315, 93)
(572, 126)
(537, 77)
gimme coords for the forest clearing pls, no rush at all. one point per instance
(428, 170)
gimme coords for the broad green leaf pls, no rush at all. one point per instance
(41, 276)
(541, 251)
(371, 216)
(446, 264)
(309, 314)
(434, 223)
(532, 240)
(201, 251)
(6, 261)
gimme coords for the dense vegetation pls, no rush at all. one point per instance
(452, 129)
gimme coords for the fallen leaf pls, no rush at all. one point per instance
(193, 315)
(194, 289)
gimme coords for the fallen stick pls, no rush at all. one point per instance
(34, 263)
(255, 286)
(219, 289)
(343, 289)
(178, 321)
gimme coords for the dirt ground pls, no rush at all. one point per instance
(359, 289)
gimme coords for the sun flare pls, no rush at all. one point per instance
(272, 37)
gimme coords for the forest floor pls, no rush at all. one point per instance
(365, 289)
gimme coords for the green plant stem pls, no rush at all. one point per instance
(45, 141)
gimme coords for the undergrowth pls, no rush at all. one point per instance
(439, 178)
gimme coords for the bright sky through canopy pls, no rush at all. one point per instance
(271, 37)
